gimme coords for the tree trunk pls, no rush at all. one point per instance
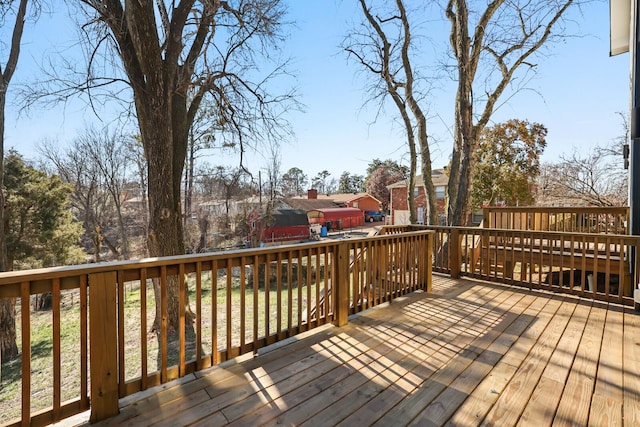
(41, 302)
(164, 235)
(203, 225)
(164, 135)
(8, 346)
(462, 159)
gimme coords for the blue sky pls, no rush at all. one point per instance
(576, 94)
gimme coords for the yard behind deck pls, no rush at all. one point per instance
(468, 352)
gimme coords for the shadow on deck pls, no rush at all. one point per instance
(469, 352)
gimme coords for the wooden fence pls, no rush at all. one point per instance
(99, 340)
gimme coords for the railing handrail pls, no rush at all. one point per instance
(560, 209)
(626, 237)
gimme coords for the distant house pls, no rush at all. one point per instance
(314, 200)
(399, 205)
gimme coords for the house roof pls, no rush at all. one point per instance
(438, 176)
(346, 197)
(329, 200)
(308, 204)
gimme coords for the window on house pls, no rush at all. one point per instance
(415, 191)
(440, 192)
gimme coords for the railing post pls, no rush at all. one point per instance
(428, 276)
(103, 353)
(341, 284)
(455, 256)
(486, 214)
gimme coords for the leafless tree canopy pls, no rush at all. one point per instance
(596, 178)
(494, 48)
(383, 46)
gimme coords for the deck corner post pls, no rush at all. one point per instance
(341, 284)
(455, 258)
(103, 351)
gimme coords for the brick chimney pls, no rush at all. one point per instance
(312, 194)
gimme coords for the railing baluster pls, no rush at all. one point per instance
(199, 362)
(256, 288)
(143, 329)
(57, 389)
(121, 329)
(299, 280)
(182, 342)
(84, 340)
(267, 296)
(279, 293)
(215, 351)
(164, 324)
(309, 300)
(243, 306)
(290, 290)
(229, 317)
(25, 315)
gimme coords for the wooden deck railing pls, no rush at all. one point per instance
(608, 220)
(586, 264)
(99, 346)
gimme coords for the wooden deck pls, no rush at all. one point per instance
(468, 353)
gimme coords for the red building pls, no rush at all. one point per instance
(336, 218)
(281, 226)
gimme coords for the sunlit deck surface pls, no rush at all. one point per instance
(468, 353)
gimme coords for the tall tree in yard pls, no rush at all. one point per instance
(491, 46)
(508, 163)
(174, 55)
(384, 48)
(8, 9)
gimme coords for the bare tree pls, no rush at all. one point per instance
(274, 164)
(202, 136)
(88, 198)
(490, 47)
(383, 48)
(171, 56)
(596, 178)
(96, 164)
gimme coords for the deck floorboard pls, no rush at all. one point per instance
(468, 353)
